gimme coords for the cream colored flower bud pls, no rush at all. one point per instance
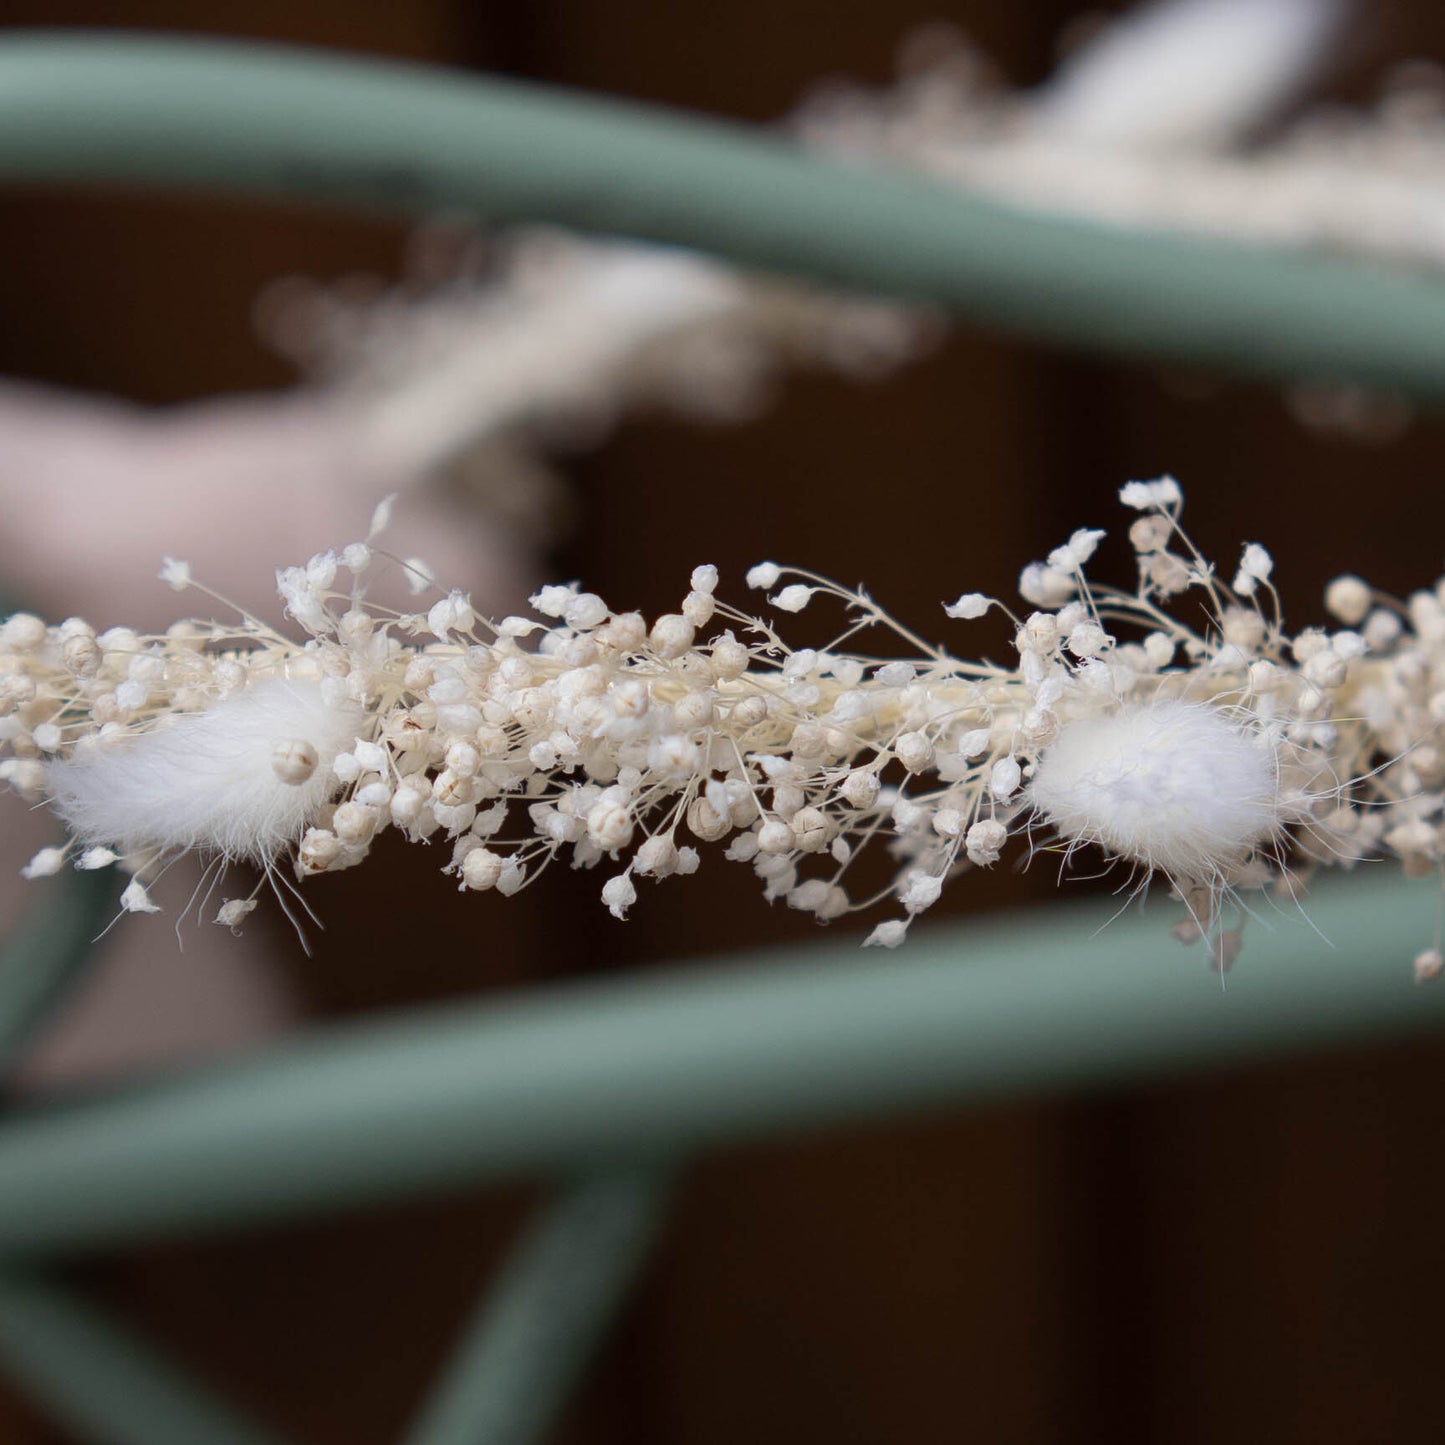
(672, 634)
(1349, 598)
(749, 712)
(481, 869)
(915, 751)
(706, 822)
(812, 829)
(609, 823)
(354, 823)
(293, 760)
(319, 849)
(860, 788)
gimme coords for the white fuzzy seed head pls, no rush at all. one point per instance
(209, 780)
(1176, 786)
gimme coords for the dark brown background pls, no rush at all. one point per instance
(1240, 1258)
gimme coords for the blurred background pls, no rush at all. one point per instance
(1248, 1256)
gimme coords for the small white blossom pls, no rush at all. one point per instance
(619, 895)
(234, 911)
(1255, 567)
(793, 598)
(1076, 551)
(45, 863)
(984, 841)
(763, 576)
(452, 614)
(888, 934)
(420, 575)
(135, 899)
(175, 573)
(1147, 496)
(969, 606)
(1004, 779)
(1045, 585)
(920, 891)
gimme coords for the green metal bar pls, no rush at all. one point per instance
(381, 135)
(104, 1385)
(49, 953)
(662, 1063)
(524, 1350)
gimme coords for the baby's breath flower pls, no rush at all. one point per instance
(1229, 757)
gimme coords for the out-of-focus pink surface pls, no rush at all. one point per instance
(93, 493)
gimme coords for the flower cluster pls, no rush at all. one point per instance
(1233, 758)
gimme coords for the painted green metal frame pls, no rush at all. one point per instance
(605, 1084)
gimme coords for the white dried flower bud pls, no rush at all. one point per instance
(356, 557)
(707, 821)
(1046, 586)
(749, 712)
(968, 607)
(811, 828)
(919, 891)
(1150, 534)
(657, 857)
(16, 691)
(948, 822)
(1382, 630)
(915, 751)
(47, 737)
(764, 575)
(860, 788)
(793, 598)
(135, 899)
(463, 760)
(233, 912)
(1255, 566)
(695, 710)
(481, 869)
(619, 895)
(888, 934)
(1349, 598)
(984, 842)
(1147, 496)
(698, 608)
(776, 837)
(1429, 965)
(24, 632)
(1088, 639)
(1004, 779)
(1166, 573)
(1077, 551)
(672, 635)
(787, 799)
(584, 612)
(1326, 670)
(294, 760)
(354, 823)
(728, 658)
(609, 821)
(46, 862)
(452, 614)
(81, 654)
